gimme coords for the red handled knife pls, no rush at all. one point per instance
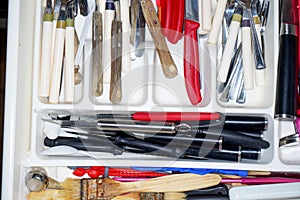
(191, 55)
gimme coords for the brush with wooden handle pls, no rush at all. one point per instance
(116, 57)
(58, 55)
(76, 189)
(151, 195)
(97, 37)
(45, 70)
(167, 62)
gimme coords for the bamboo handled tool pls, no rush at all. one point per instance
(88, 189)
(116, 57)
(168, 65)
(97, 37)
(45, 70)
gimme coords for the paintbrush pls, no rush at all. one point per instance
(76, 189)
(152, 195)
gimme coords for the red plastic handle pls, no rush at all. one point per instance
(172, 19)
(191, 62)
(175, 116)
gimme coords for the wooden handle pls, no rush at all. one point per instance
(168, 65)
(172, 183)
(247, 55)
(217, 21)
(116, 63)
(228, 51)
(126, 60)
(206, 15)
(108, 18)
(259, 74)
(45, 72)
(97, 72)
(57, 62)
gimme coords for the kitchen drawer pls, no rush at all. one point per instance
(144, 89)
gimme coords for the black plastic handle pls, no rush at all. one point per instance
(287, 79)
(234, 138)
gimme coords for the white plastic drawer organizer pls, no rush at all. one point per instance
(146, 85)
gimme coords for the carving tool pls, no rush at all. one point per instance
(70, 55)
(58, 55)
(201, 31)
(108, 18)
(76, 189)
(138, 24)
(115, 95)
(57, 7)
(206, 15)
(246, 52)
(168, 65)
(126, 62)
(259, 73)
(217, 21)
(229, 47)
(45, 70)
(191, 56)
(287, 78)
(97, 39)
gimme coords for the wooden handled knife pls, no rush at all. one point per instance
(116, 57)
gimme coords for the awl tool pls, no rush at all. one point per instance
(191, 56)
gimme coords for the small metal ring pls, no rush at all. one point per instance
(291, 139)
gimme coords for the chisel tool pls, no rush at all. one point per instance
(58, 54)
(116, 57)
(229, 47)
(97, 37)
(287, 78)
(126, 62)
(45, 70)
(191, 56)
(70, 54)
(167, 62)
(108, 18)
